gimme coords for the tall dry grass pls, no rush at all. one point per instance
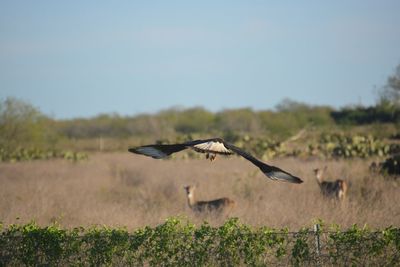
(122, 189)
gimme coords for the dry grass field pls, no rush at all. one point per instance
(122, 189)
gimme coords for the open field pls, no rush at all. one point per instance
(121, 189)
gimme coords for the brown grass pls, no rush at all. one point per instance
(121, 189)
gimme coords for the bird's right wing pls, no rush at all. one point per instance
(271, 172)
(157, 151)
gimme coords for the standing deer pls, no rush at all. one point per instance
(336, 189)
(216, 205)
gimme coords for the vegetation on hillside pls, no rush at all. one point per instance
(293, 129)
(21, 124)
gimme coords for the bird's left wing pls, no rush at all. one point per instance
(271, 172)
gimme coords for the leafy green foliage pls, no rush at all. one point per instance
(381, 247)
(382, 113)
(301, 250)
(180, 243)
(22, 124)
(27, 134)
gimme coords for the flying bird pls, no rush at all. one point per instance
(212, 147)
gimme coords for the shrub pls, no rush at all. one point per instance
(391, 165)
(180, 243)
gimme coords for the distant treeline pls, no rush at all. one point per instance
(366, 115)
(288, 118)
(22, 124)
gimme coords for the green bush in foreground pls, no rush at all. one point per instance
(178, 243)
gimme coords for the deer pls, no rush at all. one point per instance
(334, 189)
(216, 205)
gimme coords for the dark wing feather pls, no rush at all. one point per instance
(158, 151)
(271, 172)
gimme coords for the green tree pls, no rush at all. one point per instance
(238, 120)
(21, 124)
(194, 120)
(390, 95)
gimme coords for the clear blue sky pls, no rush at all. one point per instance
(82, 58)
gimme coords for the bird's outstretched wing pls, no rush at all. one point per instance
(158, 151)
(271, 172)
(216, 146)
